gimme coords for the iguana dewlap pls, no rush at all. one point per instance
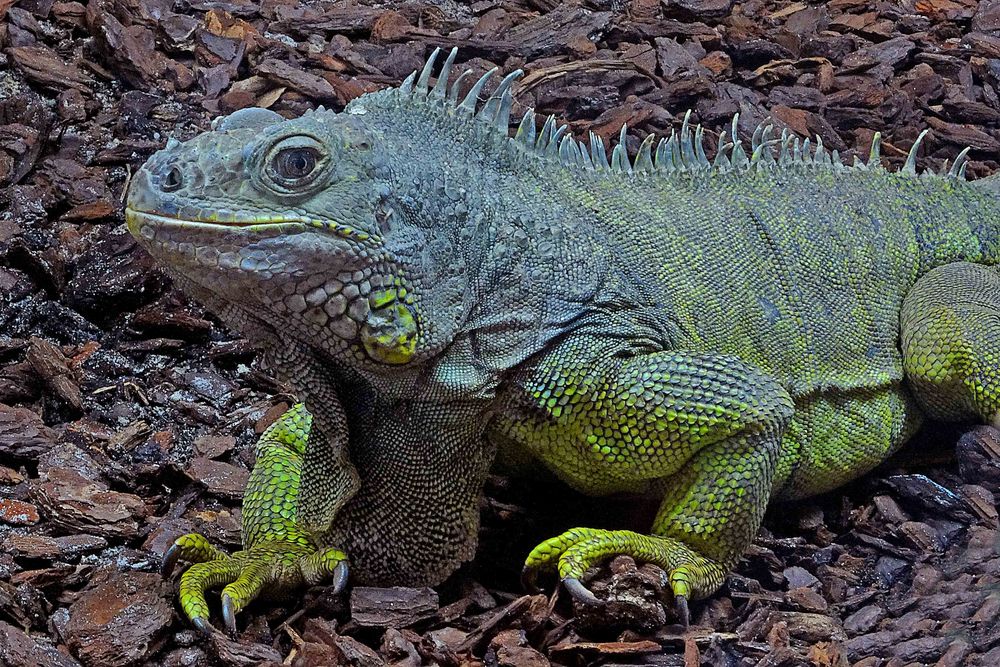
(766, 326)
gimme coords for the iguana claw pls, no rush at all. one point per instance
(681, 608)
(529, 579)
(191, 547)
(202, 625)
(229, 614)
(170, 559)
(576, 589)
(581, 593)
(341, 574)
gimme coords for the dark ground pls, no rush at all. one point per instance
(127, 414)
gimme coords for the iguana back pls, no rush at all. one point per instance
(800, 270)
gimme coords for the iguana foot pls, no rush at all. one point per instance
(280, 556)
(274, 569)
(577, 550)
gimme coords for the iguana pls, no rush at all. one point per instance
(765, 326)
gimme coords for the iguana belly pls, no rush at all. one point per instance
(835, 436)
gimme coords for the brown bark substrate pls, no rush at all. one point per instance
(127, 414)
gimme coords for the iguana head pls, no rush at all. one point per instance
(298, 223)
(410, 227)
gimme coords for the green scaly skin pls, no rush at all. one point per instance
(278, 557)
(444, 296)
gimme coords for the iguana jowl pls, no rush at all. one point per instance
(768, 326)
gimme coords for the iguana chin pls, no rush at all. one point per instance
(441, 294)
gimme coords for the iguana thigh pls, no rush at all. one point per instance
(950, 336)
(838, 435)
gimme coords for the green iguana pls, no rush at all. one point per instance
(766, 326)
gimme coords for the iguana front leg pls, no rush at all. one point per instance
(280, 555)
(302, 478)
(413, 520)
(702, 429)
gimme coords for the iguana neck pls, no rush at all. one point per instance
(532, 256)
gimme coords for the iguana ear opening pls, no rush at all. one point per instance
(389, 334)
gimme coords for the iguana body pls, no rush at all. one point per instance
(769, 327)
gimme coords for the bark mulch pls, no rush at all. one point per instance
(127, 414)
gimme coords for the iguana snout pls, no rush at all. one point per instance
(256, 170)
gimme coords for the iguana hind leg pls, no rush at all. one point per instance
(704, 428)
(950, 340)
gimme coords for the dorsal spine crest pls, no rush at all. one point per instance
(681, 152)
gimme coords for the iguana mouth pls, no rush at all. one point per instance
(137, 219)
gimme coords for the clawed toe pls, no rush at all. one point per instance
(576, 589)
(191, 547)
(170, 558)
(229, 614)
(529, 579)
(203, 626)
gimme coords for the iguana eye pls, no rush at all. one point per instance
(294, 164)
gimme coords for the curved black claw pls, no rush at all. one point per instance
(170, 558)
(203, 626)
(529, 579)
(681, 606)
(229, 615)
(341, 573)
(580, 592)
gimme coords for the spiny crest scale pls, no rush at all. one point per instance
(681, 152)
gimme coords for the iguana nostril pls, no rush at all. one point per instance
(173, 179)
